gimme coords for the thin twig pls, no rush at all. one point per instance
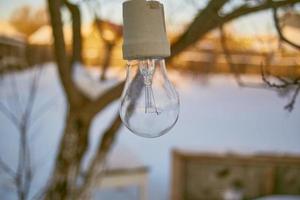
(43, 109)
(230, 63)
(279, 31)
(96, 167)
(285, 84)
(7, 169)
(17, 103)
(24, 173)
(264, 75)
(32, 94)
(290, 106)
(8, 114)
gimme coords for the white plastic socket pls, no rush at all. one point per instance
(144, 30)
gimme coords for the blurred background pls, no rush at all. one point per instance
(234, 63)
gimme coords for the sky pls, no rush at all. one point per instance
(8, 6)
(259, 23)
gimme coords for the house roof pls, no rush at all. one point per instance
(8, 31)
(43, 35)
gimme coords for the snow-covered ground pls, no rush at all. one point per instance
(216, 116)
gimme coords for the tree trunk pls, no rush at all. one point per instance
(71, 151)
(97, 165)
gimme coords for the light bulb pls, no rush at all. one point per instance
(149, 103)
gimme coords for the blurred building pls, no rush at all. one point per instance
(12, 47)
(245, 54)
(93, 46)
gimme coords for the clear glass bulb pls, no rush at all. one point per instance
(149, 103)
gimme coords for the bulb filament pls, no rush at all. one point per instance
(147, 69)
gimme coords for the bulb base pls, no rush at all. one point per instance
(144, 30)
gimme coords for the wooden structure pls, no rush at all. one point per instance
(12, 52)
(198, 176)
(209, 61)
(118, 178)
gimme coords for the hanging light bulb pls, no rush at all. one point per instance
(149, 103)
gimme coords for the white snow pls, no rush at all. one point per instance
(89, 84)
(216, 116)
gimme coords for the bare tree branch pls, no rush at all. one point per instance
(209, 19)
(284, 84)
(9, 115)
(97, 165)
(290, 106)
(43, 109)
(24, 168)
(76, 31)
(17, 100)
(7, 169)
(205, 21)
(109, 44)
(269, 83)
(74, 96)
(233, 67)
(246, 9)
(22, 178)
(109, 96)
(32, 95)
(279, 31)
